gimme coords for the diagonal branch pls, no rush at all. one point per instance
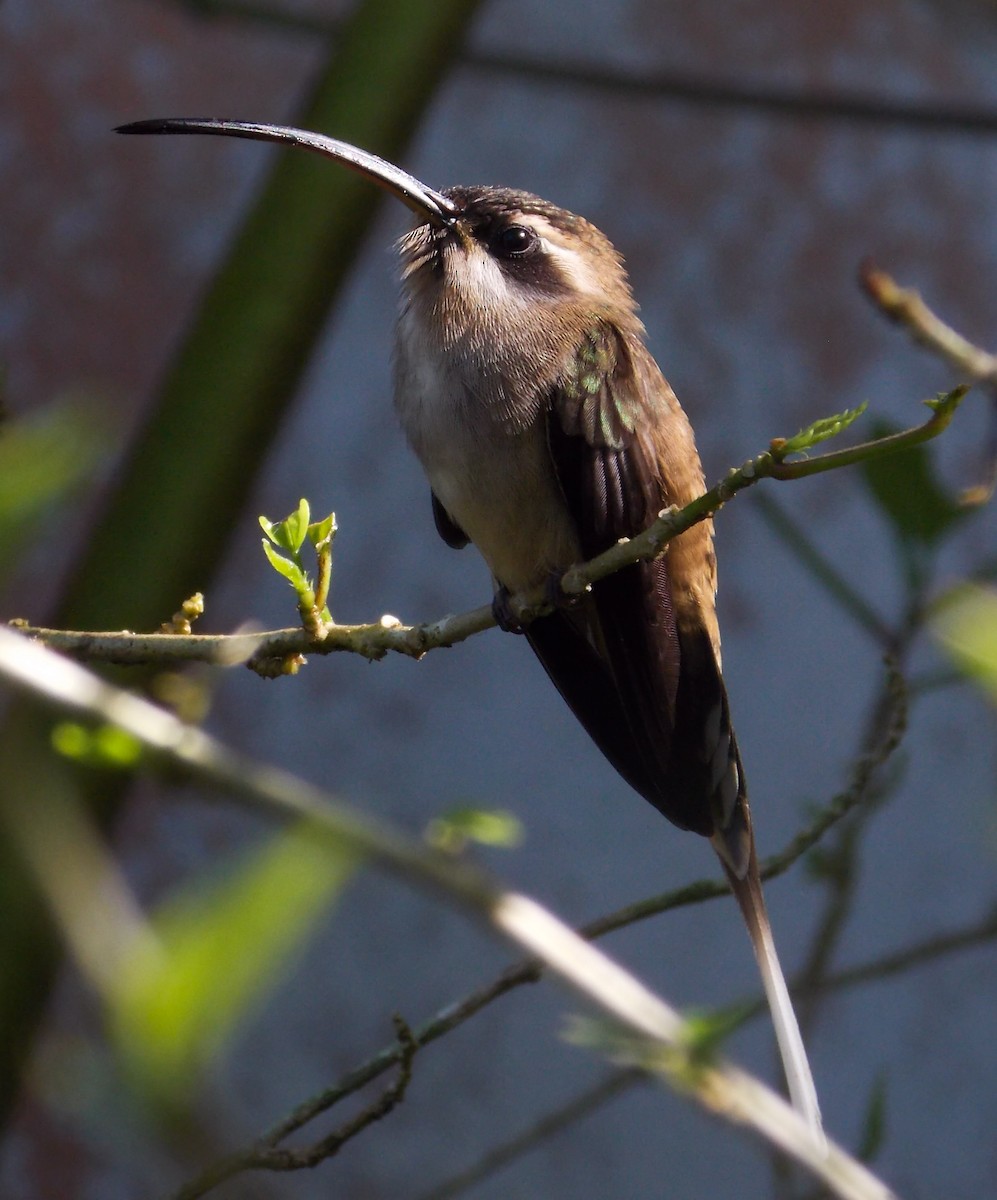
(651, 1029)
(884, 737)
(608, 1088)
(551, 1123)
(906, 307)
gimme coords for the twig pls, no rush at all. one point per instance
(442, 1023)
(390, 635)
(826, 573)
(265, 1155)
(839, 863)
(906, 307)
(890, 733)
(540, 1131)
(928, 116)
(928, 950)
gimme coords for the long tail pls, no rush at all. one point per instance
(747, 891)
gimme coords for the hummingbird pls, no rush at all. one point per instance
(548, 433)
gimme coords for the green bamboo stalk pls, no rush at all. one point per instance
(212, 425)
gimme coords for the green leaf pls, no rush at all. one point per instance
(821, 431)
(321, 533)
(629, 1049)
(116, 747)
(290, 533)
(41, 458)
(966, 625)
(453, 830)
(908, 494)
(290, 570)
(219, 947)
(294, 527)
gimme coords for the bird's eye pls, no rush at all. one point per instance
(514, 240)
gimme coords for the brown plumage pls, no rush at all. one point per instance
(547, 433)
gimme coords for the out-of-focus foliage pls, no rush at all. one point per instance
(217, 947)
(905, 488)
(41, 458)
(103, 746)
(489, 827)
(966, 626)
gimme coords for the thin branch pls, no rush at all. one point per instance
(823, 570)
(390, 635)
(623, 82)
(741, 97)
(540, 1131)
(650, 1028)
(839, 862)
(886, 736)
(266, 1156)
(893, 723)
(930, 950)
(906, 307)
(449, 1018)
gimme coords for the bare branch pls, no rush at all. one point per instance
(650, 1028)
(540, 1131)
(906, 307)
(265, 1155)
(885, 735)
(930, 116)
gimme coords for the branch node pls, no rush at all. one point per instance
(183, 619)
(276, 666)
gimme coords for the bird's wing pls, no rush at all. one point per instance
(447, 527)
(636, 660)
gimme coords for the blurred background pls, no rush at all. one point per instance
(745, 157)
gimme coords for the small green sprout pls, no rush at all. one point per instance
(282, 546)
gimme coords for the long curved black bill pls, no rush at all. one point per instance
(421, 199)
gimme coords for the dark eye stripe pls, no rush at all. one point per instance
(534, 272)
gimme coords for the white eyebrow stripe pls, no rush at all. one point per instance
(574, 267)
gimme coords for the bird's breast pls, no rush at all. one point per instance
(484, 451)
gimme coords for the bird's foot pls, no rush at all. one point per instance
(507, 620)
(555, 595)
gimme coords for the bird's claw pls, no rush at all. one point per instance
(502, 611)
(555, 595)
